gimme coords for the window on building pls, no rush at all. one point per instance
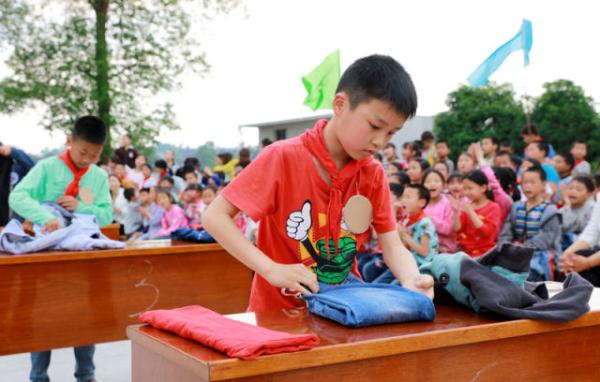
(280, 134)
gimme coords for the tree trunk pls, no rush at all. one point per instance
(101, 94)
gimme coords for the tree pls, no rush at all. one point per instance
(103, 57)
(470, 108)
(563, 113)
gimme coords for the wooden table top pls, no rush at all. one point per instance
(453, 326)
(129, 251)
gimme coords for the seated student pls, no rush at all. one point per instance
(506, 159)
(465, 163)
(148, 180)
(119, 203)
(442, 152)
(577, 209)
(390, 155)
(72, 180)
(393, 168)
(535, 224)
(189, 175)
(410, 150)
(418, 233)
(508, 181)
(443, 169)
(152, 215)
(301, 216)
(583, 256)
(193, 205)
(136, 174)
(416, 169)
(455, 186)
(399, 177)
(538, 150)
(579, 151)
(427, 146)
(168, 183)
(564, 164)
(476, 221)
(501, 198)
(489, 146)
(133, 218)
(173, 217)
(209, 194)
(440, 210)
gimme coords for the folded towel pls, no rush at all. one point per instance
(234, 338)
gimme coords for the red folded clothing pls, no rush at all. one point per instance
(234, 338)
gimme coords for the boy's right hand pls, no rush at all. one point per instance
(51, 226)
(295, 277)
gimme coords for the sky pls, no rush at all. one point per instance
(259, 52)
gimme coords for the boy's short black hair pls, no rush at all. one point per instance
(188, 169)
(145, 189)
(161, 163)
(402, 176)
(211, 187)
(502, 153)
(382, 78)
(538, 170)
(194, 187)
(505, 143)
(442, 141)
(129, 193)
(580, 141)
(495, 140)
(390, 144)
(90, 129)
(168, 179)
(542, 146)
(529, 129)
(147, 165)
(586, 180)
(534, 162)
(396, 189)
(427, 135)
(423, 192)
(568, 157)
(266, 141)
(455, 175)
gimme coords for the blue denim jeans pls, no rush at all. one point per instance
(358, 304)
(84, 364)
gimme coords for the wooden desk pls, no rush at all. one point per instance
(58, 299)
(457, 346)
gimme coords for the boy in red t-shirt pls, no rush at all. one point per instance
(298, 188)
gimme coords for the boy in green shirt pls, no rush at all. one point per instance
(72, 180)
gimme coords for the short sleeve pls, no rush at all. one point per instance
(383, 215)
(255, 189)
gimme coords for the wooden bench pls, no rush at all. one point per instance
(59, 299)
(458, 346)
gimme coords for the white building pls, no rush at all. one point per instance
(277, 130)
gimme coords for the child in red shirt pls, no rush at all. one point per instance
(297, 189)
(477, 221)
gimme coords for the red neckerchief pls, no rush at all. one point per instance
(578, 161)
(410, 220)
(73, 187)
(314, 142)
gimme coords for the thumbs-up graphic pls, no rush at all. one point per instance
(299, 222)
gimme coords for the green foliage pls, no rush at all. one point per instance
(469, 108)
(127, 50)
(563, 113)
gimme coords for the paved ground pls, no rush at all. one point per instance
(113, 364)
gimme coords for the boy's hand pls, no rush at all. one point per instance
(67, 202)
(574, 263)
(51, 226)
(422, 284)
(295, 277)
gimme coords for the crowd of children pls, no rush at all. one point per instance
(150, 202)
(542, 200)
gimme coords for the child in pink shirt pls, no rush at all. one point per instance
(440, 210)
(173, 218)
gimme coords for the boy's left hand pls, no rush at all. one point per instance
(67, 202)
(423, 284)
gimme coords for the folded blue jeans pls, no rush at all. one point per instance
(357, 304)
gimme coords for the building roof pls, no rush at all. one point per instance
(287, 121)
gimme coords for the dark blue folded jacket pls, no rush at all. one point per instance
(193, 235)
(359, 304)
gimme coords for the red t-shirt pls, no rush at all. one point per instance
(279, 185)
(477, 241)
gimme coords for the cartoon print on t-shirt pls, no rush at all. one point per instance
(330, 268)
